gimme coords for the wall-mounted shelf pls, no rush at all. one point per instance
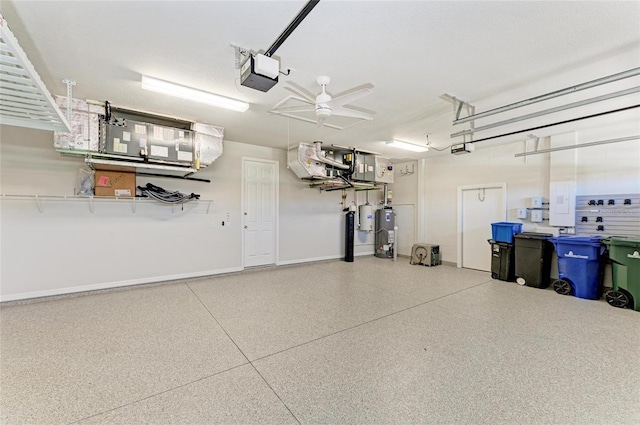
(93, 200)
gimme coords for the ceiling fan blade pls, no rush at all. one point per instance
(347, 112)
(301, 92)
(298, 109)
(349, 97)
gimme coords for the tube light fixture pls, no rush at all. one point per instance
(407, 146)
(195, 95)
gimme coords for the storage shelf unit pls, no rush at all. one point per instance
(91, 201)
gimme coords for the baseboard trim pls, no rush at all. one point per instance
(49, 293)
(112, 285)
(315, 259)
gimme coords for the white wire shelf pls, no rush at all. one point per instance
(39, 201)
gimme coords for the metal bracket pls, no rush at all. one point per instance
(241, 53)
(457, 110)
(536, 141)
(70, 83)
(39, 204)
(406, 171)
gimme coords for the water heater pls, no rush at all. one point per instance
(366, 218)
(385, 234)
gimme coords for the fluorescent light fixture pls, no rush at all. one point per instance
(195, 95)
(407, 146)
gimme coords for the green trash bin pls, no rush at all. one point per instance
(624, 254)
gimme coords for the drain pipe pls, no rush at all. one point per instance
(395, 243)
(386, 195)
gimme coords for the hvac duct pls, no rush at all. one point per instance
(112, 138)
(321, 157)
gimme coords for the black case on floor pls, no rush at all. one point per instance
(502, 261)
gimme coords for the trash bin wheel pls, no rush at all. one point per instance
(617, 299)
(562, 287)
(494, 275)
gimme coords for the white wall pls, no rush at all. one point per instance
(405, 203)
(68, 249)
(443, 175)
(604, 169)
(612, 168)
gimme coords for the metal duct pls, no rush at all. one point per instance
(328, 161)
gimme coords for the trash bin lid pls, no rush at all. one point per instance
(622, 241)
(533, 235)
(578, 240)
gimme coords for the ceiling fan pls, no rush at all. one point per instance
(324, 105)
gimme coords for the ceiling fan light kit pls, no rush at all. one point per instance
(407, 146)
(324, 105)
(195, 95)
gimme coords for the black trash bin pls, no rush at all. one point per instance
(533, 259)
(502, 261)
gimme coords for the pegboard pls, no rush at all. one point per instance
(608, 215)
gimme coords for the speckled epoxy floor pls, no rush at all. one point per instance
(336, 343)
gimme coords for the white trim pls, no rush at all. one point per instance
(119, 284)
(309, 260)
(277, 209)
(421, 234)
(315, 259)
(461, 189)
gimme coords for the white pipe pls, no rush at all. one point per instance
(385, 194)
(395, 243)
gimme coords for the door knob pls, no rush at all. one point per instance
(246, 226)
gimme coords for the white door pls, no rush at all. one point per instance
(405, 220)
(260, 185)
(480, 206)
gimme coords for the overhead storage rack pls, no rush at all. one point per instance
(24, 99)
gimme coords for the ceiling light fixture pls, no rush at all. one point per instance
(407, 146)
(195, 95)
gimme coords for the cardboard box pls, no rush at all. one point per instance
(115, 183)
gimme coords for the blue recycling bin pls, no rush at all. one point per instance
(503, 231)
(580, 266)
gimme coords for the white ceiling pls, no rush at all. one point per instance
(484, 52)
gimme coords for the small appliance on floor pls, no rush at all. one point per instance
(425, 255)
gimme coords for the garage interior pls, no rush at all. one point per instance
(260, 284)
